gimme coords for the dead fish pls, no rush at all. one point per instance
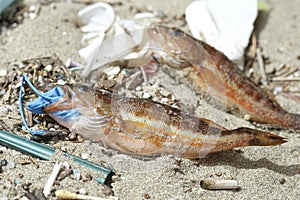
(213, 75)
(142, 127)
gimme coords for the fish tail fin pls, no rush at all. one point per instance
(261, 138)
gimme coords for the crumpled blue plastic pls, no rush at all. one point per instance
(47, 99)
(44, 100)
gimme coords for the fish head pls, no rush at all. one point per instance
(171, 46)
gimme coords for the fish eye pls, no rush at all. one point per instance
(175, 33)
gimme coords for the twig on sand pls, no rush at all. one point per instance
(261, 66)
(64, 194)
(278, 79)
(51, 179)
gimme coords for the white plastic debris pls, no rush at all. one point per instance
(90, 16)
(115, 39)
(97, 20)
(225, 25)
(5, 4)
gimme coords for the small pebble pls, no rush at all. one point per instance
(115, 178)
(76, 174)
(24, 198)
(87, 177)
(3, 72)
(247, 117)
(72, 136)
(3, 111)
(82, 191)
(18, 181)
(113, 70)
(52, 129)
(164, 93)
(146, 95)
(164, 100)
(138, 88)
(277, 90)
(3, 162)
(270, 69)
(66, 165)
(61, 82)
(21, 65)
(282, 181)
(48, 68)
(85, 156)
(11, 165)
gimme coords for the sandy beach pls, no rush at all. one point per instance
(262, 172)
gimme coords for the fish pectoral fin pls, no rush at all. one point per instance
(90, 126)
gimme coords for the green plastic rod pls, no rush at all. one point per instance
(45, 152)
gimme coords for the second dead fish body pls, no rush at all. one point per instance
(146, 128)
(212, 74)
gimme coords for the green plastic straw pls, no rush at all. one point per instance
(45, 152)
(4, 4)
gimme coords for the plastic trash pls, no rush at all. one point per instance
(5, 4)
(45, 152)
(108, 37)
(44, 100)
(225, 25)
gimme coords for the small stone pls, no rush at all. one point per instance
(113, 70)
(3, 72)
(277, 90)
(61, 82)
(48, 68)
(164, 100)
(3, 162)
(11, 165)
(66, 165)
(76, 174)
(3, 111)
(21, 65)
(87, 177)
(147, 196)
(85, 156)
(72, 136)
(116, 178)
(146, 95)
(282, 181)
(247, 117)
(82, 191)
(32, 8)
(270, 69)
(18, 181)
(138, 88)
(24, 198)
(52, 129)
(164, 93)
